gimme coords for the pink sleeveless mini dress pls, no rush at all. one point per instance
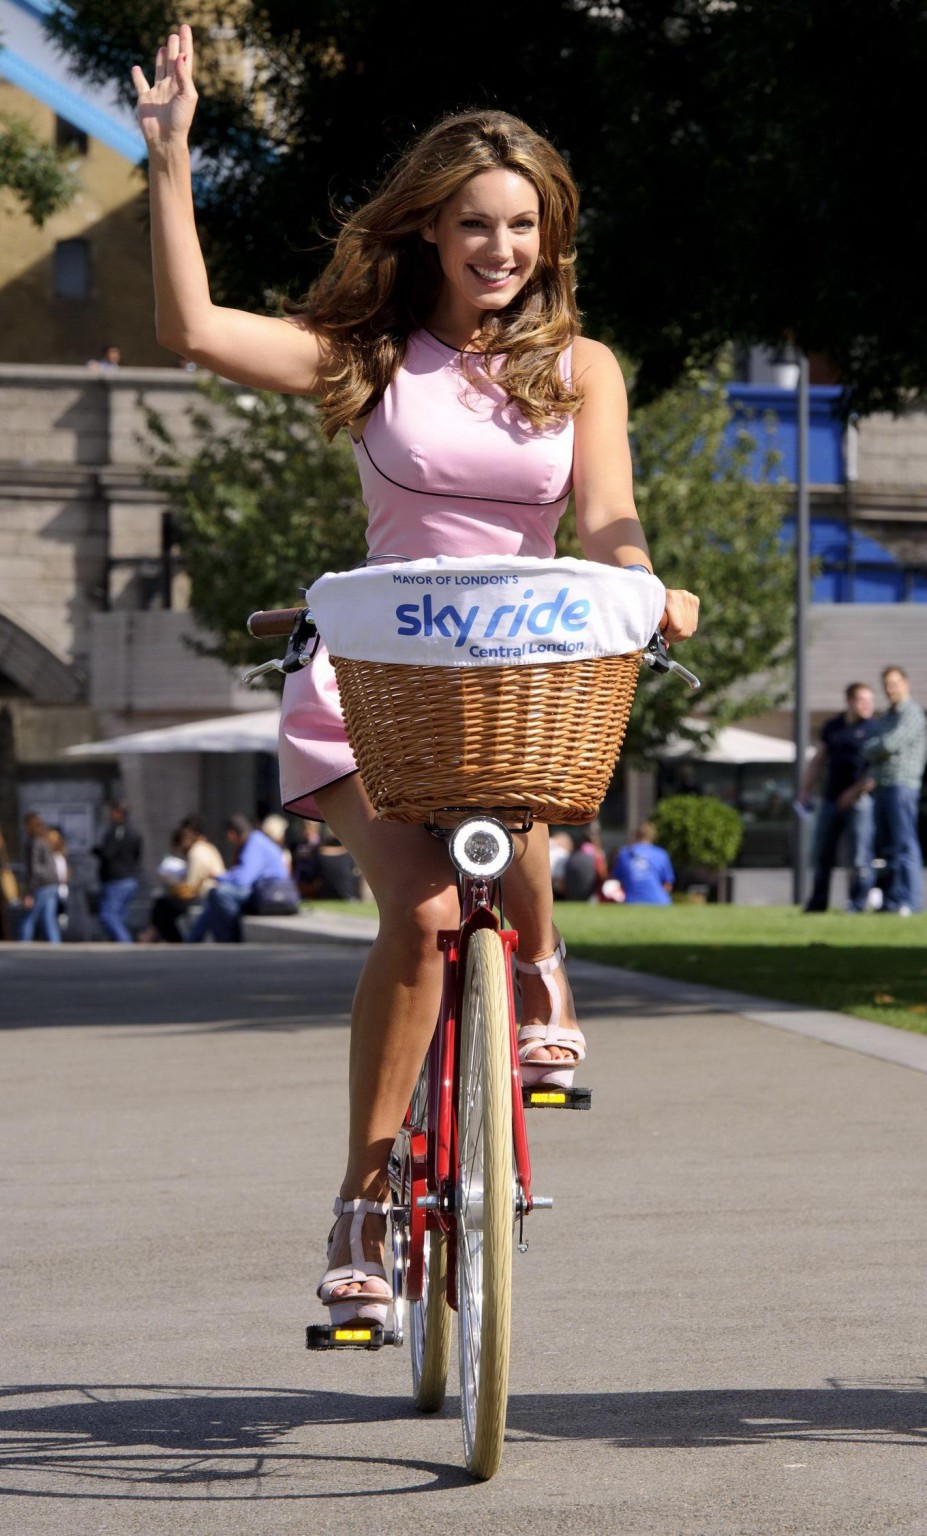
(446, 468)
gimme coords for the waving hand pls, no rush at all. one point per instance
(166, 108)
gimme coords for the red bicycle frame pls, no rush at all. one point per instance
(432, 1152)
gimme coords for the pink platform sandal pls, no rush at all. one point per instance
(370, 1304)
(559, 1074)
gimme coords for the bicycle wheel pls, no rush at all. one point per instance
(485, 1204)
(430, 1318)
(430, 1329)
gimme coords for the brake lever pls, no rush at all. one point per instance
(299, 653)
(656, 655)
(266, 666)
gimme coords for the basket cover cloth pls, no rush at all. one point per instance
(486, 612)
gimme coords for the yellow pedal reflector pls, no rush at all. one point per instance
(548, 1098)
(352, 1335)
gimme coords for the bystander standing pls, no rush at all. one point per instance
(840, 760)
(897, 753)
(40, 899)
(119, 853)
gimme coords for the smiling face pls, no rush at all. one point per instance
(488, 239)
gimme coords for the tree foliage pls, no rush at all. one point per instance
(42, 178)
(749, 169)
(717, 533)
(262, 507)
(698, 832)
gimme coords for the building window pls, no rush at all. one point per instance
(67, 136)
(72, 269)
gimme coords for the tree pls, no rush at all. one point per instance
(262, 507)
(42, 178)
(700, 833)
(749, 169)
(716, 532)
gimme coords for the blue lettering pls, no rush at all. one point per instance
(539, 626)
(574, 617)
(496, 620)
(465, 624)
(440, 622)
(407, 614)
(520, 615)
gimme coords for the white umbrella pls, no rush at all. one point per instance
(255, 732)
(732, 745)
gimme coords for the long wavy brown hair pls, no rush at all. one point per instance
(384, 277)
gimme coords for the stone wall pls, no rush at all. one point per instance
(80, 527)
(110, 214)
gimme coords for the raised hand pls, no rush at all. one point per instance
(166, 108)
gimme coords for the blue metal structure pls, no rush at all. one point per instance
(770, 414)
(29, 60)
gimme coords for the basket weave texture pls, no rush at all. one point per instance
(545, 737)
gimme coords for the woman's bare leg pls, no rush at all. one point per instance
(399, 991)
(529, 904)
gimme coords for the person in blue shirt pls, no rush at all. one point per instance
(644, 870)
(258, 857)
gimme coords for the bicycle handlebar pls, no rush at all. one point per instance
(273, 621)
(268, 622)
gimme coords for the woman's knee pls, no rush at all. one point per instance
(418, 917)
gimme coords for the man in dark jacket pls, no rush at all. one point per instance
(840, 759)
(120, 854)
(41, 895)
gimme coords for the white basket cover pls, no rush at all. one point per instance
(486, 612)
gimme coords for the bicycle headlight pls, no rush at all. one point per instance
(482, 847)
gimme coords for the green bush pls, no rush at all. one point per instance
(698, 831)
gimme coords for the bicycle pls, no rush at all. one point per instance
(460, 1169)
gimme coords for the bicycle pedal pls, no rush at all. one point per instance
(349, 1336)
(546, 1096)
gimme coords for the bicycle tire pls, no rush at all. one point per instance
(430, 1329)
(485, 1204)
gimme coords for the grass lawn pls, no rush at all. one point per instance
(873, 966)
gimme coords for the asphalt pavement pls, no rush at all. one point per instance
(719, 1328)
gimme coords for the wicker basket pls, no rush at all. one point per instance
(543, 737)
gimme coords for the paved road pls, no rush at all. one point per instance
(720, 1327)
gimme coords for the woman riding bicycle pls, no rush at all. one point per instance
(444, 337)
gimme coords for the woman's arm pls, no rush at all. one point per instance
(258, 350)
(606, 518)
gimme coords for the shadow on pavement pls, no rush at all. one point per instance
(221, 986)
(156, 1442)
(163, 1442)
(878, 1413)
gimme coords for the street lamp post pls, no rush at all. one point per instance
(802, 588)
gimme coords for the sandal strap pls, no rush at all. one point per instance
(546, 966)
(530, 1036)
(348, 1274)
(360, 1267)
(367, 1207)
(545, 969)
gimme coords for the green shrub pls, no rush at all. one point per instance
(698, 831)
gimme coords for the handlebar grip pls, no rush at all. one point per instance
(273, 621)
